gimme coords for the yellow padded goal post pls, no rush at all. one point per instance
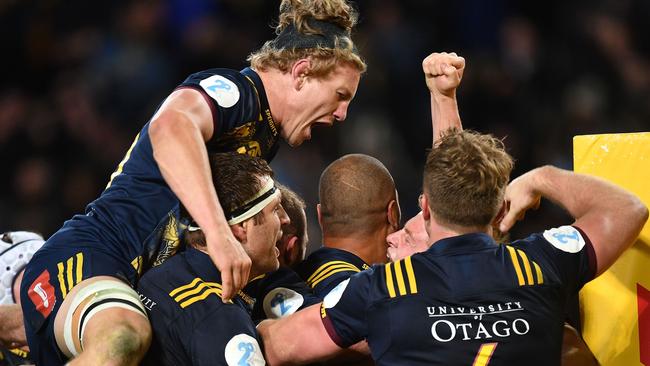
(616, 306)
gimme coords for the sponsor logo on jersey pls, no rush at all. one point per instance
(451, 322)
(281, 302)
(565, 238)
(333, 297)
(42, 294)
(243, 350)
(221, 89)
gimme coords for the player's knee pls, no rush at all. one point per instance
(127, 343)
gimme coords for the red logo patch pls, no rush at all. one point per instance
(42, 294)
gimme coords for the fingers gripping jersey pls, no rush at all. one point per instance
(465, 301)
(191, 325)
(279, 294)
(327, 267)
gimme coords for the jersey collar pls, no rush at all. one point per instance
(462, 243)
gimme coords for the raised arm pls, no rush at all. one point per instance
(610, 216)
(178, 133)
(443, 73)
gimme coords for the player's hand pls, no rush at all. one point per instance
(231, 259)
(520, 197)
(443, 73)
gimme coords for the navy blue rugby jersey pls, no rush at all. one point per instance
(191, 325)
(278, 294)
(327, 267)
(137, 197)
(465, 301)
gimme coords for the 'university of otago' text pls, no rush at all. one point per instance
(454, 324)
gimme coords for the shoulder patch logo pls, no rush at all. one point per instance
(224, 91)
(243, 350)
(281, 302)
(333, 297)
(565, 238)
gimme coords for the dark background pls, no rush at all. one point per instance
(80, 78)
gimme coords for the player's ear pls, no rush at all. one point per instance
(393, 214)
(239, 231)
(318, 214)
(300, 71)
(424, 205)
(502, 212)
(291, 250)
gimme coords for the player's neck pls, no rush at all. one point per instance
(370, 248)
(275, 82)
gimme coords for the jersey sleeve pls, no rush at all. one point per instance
(566, 251)
(227, 94)
(328, 275)
(283, 293)
(344, 309)
(225, 337)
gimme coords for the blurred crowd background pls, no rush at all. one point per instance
(80, 78)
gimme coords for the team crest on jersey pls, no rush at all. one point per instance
(243, 350)
(565, 238)
(333, 297)
(281, 302)
(224, 91)
(42, 294)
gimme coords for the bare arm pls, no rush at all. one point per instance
(443, 73)
(178, 133)
(611, 217)
(297, 339)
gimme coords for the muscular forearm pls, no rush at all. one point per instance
(182, 157)
(444, 114)
(611, 216)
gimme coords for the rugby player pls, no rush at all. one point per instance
(191, 324)
(78, 298)
(283, 292)
(467, 299)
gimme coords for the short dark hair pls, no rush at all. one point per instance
(465, 178)
(236, 178)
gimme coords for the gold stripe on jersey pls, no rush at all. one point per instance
(484, 354)
(515, 264)
(185, 287)
(70, 273)
(529, 273)
(411, 275)
(59, 276)
(401, 286)
(345, 269)
(538, 273)
(329, 269)
(196, 290)
(389, 281)
(137, 264)
(394, 274)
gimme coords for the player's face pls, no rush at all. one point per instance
(319, 103)
(262, 237)
(411, 239)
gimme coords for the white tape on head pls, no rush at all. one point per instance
(16, 250)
